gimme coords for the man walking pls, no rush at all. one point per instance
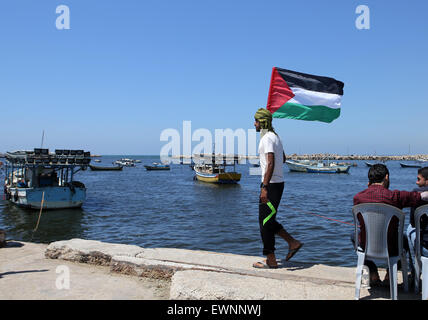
(272, 157)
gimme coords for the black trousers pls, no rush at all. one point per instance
(271, 226)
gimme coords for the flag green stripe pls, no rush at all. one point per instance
(310, 113)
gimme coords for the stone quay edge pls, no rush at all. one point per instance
(200, 275)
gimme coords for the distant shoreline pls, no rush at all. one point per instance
(325, 156)
(316, 156)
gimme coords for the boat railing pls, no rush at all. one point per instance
(40, 168)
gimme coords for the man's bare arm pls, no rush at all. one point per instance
(270, 165)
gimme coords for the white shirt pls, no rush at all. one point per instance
(270, 142)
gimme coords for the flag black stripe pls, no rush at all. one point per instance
(311, 82)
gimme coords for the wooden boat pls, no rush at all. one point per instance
(36, 179)
(321, 170)
(369, 164)
(215, 173)
(299, 165)
(317, 166)
(157, 166)
(100, 168)
(125, 162)
(213, 170)
(407, 165)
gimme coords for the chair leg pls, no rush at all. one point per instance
(392, 264)
(417, 275)
(360, 265)
(424, 278)
(405, 273)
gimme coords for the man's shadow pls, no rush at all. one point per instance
(15, 244)
(18, 272)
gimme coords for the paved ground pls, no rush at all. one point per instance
(38, 271)
(27, 274)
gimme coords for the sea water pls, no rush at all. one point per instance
(155, 209)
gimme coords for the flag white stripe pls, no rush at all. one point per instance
(315, 98)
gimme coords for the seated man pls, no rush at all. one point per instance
(378, 192)
(422, 182)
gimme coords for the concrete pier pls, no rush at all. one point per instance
(98, 270)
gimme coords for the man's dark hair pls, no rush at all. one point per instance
(423, 172)
(377, 173)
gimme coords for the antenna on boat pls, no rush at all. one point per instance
(43, 137)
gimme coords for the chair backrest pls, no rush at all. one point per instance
(419, 212)
(376, 217)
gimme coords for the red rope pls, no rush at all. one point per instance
(314, 214)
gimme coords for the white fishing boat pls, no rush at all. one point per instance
(125, 162)
(36, 179)
(300, 165)
(311, 166)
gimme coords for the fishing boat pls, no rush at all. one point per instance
(216, 172)
(157, 166)
(39, 179)
(368, 164)
(125, 162)
(102, 168)
(299, 165)
(311, 166)
(409, 165)
(321, 170)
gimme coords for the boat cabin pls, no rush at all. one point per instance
(38, 168)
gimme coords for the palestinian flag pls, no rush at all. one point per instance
(301, 96)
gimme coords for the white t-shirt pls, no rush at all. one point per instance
(270, 142)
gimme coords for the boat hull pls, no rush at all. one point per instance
(156, 168)
(99, 168)
(404, 165)
(54, 197)
(343, 169)
(296, 166)
(220, 178)
(307, 167)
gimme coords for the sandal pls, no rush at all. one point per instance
(292, 252)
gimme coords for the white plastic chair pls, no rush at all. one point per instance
(420, 260)
(376, 217)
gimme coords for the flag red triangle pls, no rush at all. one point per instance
(279, 92)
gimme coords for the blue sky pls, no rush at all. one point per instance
(126, 70)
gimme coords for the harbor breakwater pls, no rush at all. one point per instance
(317, 156)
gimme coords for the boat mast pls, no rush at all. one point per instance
(43, 137)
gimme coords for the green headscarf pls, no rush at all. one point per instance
(265, 118)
